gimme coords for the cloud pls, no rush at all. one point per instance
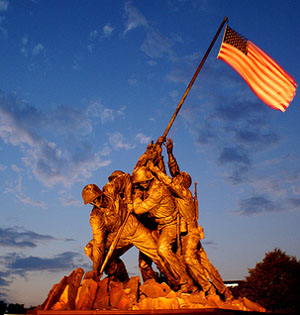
(256, 205)
(255, 137)
(132, 82)
(93, 34)
(31, 50)
(233, 155)
(18, 237)
(107, 30)
(294, 203)
(66, 161)
(2, 167)
(4, 5)
(68, 200)
(37, 49)
(28, 201)
(117, 141)
(156, 45)
(134, 18)
(174, 95)
(3, 29)
(142, 138)
(296, 190)
(211, 244)
(105, 114)
(239, 162)
(236, 109)
(17, 190)
(20, 264)
(183, 68)
(3, 281)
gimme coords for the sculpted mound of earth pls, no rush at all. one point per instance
(73, 293)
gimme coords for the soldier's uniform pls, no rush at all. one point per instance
(159, 205)
(188, 224)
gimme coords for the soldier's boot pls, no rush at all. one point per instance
(184, 288)
(211, 291)
(145, 266)
(228, 295)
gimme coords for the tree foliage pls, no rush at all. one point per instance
(274, 283)
(12, 308)
(3, 307)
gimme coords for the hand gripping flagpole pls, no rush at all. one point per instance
(193, 79)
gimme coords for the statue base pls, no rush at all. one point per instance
(212, 311)
(94, 296)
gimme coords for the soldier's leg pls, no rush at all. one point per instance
(213, 274)
(167, 237)
(145, 265)
(143, 239)
(116, 270)
(195, 268)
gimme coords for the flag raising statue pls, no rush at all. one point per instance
(273, 85)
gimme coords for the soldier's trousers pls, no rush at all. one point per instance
(211, 271)
(166, 239)
(135, 233)
(194, 264)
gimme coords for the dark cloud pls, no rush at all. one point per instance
(206, 135)
(18, 237)
(240, 110)
(256, 205)
(239, 174)
(234, 155)
(212, 244)
(3, 279)
(255, 137)
(18, 264)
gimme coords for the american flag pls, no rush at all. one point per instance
(273, 85)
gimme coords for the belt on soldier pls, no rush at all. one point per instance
(166, 220)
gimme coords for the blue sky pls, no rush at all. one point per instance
(86, 85)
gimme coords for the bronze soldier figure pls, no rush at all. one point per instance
(158, 203)
(107, 217)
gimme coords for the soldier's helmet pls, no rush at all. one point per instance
(141, 174)
(186, 179)
(90, 192)
(114, 174)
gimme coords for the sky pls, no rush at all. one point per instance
(86, 85)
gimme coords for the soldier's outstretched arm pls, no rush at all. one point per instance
(176, 189)
(172, 163)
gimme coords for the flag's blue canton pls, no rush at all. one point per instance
(236, 40)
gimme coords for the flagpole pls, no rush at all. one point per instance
(194, 78)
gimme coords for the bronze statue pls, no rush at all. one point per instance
(156, 213)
